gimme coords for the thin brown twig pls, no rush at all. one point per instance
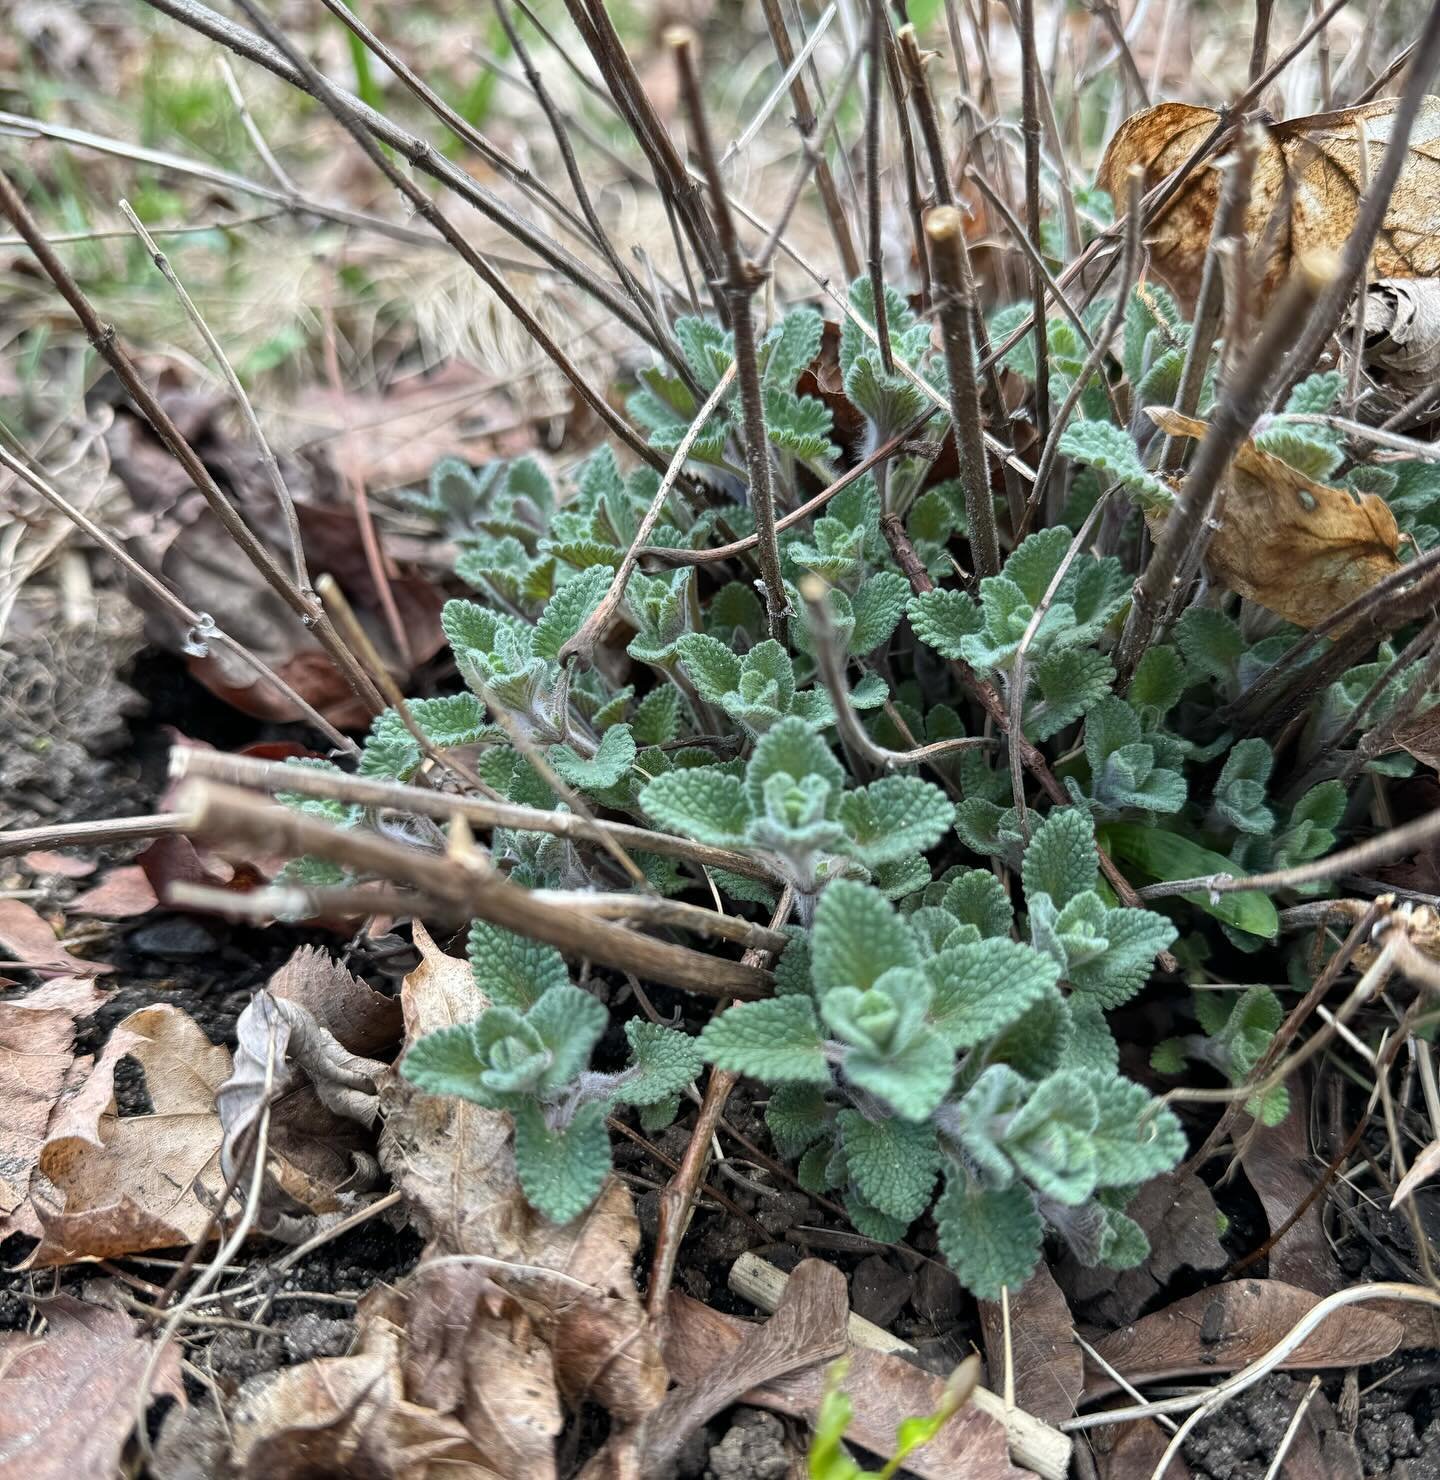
(267, 456)
(813, 139)
(875, 265)
(244, 43)
(741, 281)
(91, 834)
(678, 1199)
(954, 301)
(1190, 523)
(346, 113)
(1030, 125)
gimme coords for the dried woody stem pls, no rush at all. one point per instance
(275, 777)
(813, 140)
(1190, 523)
(875, 264)
(465, 887)
(678, 1200)
(107, 344)
(1034, 207)
(955, 306)
(741, 281)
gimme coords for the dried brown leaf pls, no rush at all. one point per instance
(121, 894)
(31, 943)
(1296, 547)
(885, 1390)
(1309, 177)
(1049, 1368)
(471, 1352)
(1230, 1325)
(67, 1398)
(364, 1020)
(454, 1162)
(809, 1326)
(350, 1416)
(37, 1060)
(109, 1184)
(1279, 1167)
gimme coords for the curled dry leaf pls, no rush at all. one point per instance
(885, 1390)
(349, 1416)
(1228, 1326)
(30, 942)
(1402, 334)
(1294, 546)
(1306, 190)
(1048, 1366)
(67, 1398)
(108, 1185)
(454, 1162)
(315, 1085)
(365, 1021)
(37, 1060)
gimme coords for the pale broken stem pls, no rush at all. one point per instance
(168, 599)
(267, 456)
(1033, 1443)
(582, 644)
(465, 883)
(656, 911)
(275, 776)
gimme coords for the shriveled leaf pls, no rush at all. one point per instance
(1305, 194)
(1297, 547)
(37, 1037)
(1230, 1325)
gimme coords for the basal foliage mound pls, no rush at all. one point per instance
(937, 1042)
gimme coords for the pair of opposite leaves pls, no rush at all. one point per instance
(1309, 176)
